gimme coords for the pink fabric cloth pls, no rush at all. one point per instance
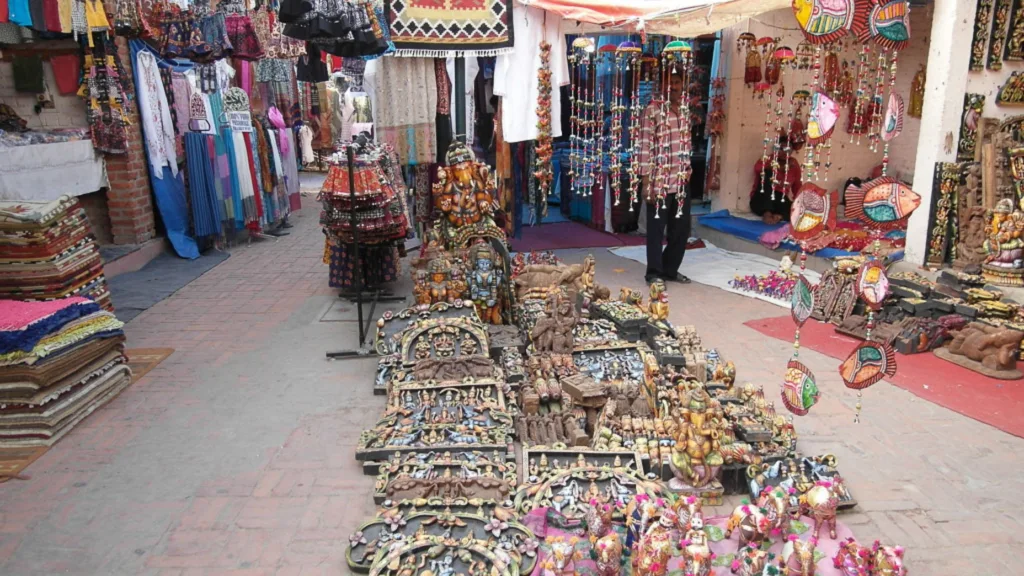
(773, 238)
(18, 315)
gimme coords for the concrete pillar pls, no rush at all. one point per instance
(948, 59)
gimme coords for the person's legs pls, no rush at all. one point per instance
(678, 234)
(762, 205)
(655, 235)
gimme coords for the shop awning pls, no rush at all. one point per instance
(685, 18)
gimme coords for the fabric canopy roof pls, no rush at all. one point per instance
(685, 18)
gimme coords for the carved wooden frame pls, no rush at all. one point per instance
(997, 41)
(982, 17)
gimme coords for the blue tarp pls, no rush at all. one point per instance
(752, 230)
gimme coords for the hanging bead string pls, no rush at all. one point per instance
(634, 128)
(780, 93)
(588, 125)
(794, 110)
(616, 129)
(574, 120)
(862, 72)
(685, 136)
(597, 151)
(875, 125)
(661, 164)
(809, 163)
(892, 90)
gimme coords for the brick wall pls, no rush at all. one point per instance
(129, 199)
(95, 205)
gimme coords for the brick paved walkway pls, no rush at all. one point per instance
(235, 455)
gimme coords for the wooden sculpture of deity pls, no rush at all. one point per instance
(696, 457)
(485, 282)
(464, 192)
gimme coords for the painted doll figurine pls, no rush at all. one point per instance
(656, 547)
(421, 290)
(439, 270)
(484, 285)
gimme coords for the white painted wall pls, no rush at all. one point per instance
(948, 80)
(745, 114)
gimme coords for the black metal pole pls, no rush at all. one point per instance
(460, 99)
(350, 152)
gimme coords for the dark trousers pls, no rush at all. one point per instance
(665, 262)
(761, 202)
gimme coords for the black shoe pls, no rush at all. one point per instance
(651, 278)
(286, 224)
(679, 278)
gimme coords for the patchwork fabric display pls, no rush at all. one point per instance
(104, 88)
(47, 251)
(437, 30)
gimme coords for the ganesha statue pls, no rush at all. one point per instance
(1004, 245)
(696, 457)
(464, 193)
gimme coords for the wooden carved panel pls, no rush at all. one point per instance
(981, 20)
(997, 41)
(1015, 39)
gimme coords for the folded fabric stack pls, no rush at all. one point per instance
(59, 361)
(47, 251)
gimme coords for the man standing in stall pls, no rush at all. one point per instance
(660, 163)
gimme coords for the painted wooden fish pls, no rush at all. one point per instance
(867, 364)
(884, 203)
(802, 301)
(893, 124)
(814, 211)
(872, 284)
(885, 22)
(800, 391)
(821, 119)
(824, 21)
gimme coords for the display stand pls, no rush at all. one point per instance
(375, 295)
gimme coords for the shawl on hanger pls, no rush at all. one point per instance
(406, 106)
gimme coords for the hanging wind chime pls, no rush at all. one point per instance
(627, 81)
(784, 58)
(677, 58)
(582, 114)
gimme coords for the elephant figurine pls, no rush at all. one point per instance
(751, 561)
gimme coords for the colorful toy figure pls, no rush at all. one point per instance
(485, 284)
(887, 560)
(697, 556)
(798, 557)
(657, 546)
(852, 559)
(821, 503)
(884, 203)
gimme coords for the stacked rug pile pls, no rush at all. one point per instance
(47, 251)
(59, 361)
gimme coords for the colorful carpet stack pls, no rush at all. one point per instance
(47, 251)
(59, 361)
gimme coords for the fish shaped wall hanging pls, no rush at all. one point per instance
(884, 203)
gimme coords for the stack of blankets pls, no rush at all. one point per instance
(47, 251)
(59, 361)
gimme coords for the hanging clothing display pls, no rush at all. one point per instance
(339, 27)
(403, 93)
(379, 213)
(156, 115)
(516, 79)
(103, 88)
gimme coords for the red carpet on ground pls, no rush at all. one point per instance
(998, 403)
(564, 235)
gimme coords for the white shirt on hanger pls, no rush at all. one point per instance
(515, 74)
(156, 116)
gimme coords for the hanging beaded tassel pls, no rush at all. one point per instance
(892, 91)
(809, 166)
(617, 109)
(861, 93)
(635, 114)
(875, 126)
(680, 54)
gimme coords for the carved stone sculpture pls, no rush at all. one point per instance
(554, 332)
(538, 279)
(989, 350)
(453, 369)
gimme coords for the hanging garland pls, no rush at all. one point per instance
(542, 161)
